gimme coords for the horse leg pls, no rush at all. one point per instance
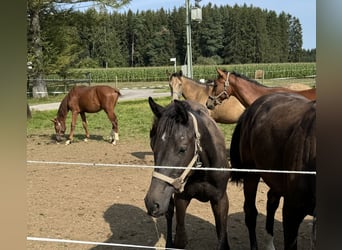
(292, 217)
(272, 205)
(72, 129)
(115, 128)
(85, 125)
(250, 186)
(181, 239)
(220, 210)
(314, 232)
(169, 217)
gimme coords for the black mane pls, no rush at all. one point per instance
(169, 121)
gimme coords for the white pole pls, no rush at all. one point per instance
(188, 40)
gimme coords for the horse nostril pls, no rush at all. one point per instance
(155, 207)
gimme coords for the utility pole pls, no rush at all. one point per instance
(188, 40)
(195, 14)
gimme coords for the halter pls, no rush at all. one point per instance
(226, 85)
(179, 182)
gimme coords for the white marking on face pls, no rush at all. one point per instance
(163, 137)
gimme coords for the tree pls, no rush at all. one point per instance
(295, 40)
(35, 10)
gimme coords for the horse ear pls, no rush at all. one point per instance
(155, 107)
(181, 111)
(220, 72)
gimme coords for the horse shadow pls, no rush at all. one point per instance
(142, 155)
(92, 137)
(131, 225)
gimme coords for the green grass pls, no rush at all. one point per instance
(134, 117)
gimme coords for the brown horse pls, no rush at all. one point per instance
(87, 99)
(183, 135)
(277, 132)
(245, 90)
(180, 85)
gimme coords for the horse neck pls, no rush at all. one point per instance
(308, 93)
(194, 91)
(63, 109)
(247, 92)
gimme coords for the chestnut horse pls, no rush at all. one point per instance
(180, 85)
(277, 132)
(245, 90)
(87, 99)
(185, 137)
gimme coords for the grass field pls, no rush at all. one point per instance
(134, 117)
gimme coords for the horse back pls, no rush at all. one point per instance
(93, 98)
(276, 132)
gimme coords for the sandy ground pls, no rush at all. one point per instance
(105, 204)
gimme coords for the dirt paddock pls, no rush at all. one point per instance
(105, 204)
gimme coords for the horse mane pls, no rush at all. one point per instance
(166, 124)
(179, 74)
(244, 77)
(63, 107)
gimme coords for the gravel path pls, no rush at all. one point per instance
(127, 94)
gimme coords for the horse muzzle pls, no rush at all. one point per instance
(59, 137)
(158, 198)
(211, 103)
(153, 208)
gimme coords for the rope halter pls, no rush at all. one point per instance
(226, 85)
(179, 182)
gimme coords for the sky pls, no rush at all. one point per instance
(304, 10)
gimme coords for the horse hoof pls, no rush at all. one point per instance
(86, 139)
(114, 143)
(67, 142)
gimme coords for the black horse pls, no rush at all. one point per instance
(183, 135)
(277, 132)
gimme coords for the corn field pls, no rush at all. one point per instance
(146, 74)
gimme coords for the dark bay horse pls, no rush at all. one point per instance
(180, 85)
(245, 90)
(87, 99)
(277, 132)
(184, 136)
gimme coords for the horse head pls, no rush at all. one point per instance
(176, 85)
(174, 143)
(220, 91)
(59, 129)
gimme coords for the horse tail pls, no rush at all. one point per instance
(235, 158)
(117, 91)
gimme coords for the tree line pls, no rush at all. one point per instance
(226, 35)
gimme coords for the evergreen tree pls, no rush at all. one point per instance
(295, 40)
(273, 37)
(210, 32)
(178, 30)
(284, 37)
